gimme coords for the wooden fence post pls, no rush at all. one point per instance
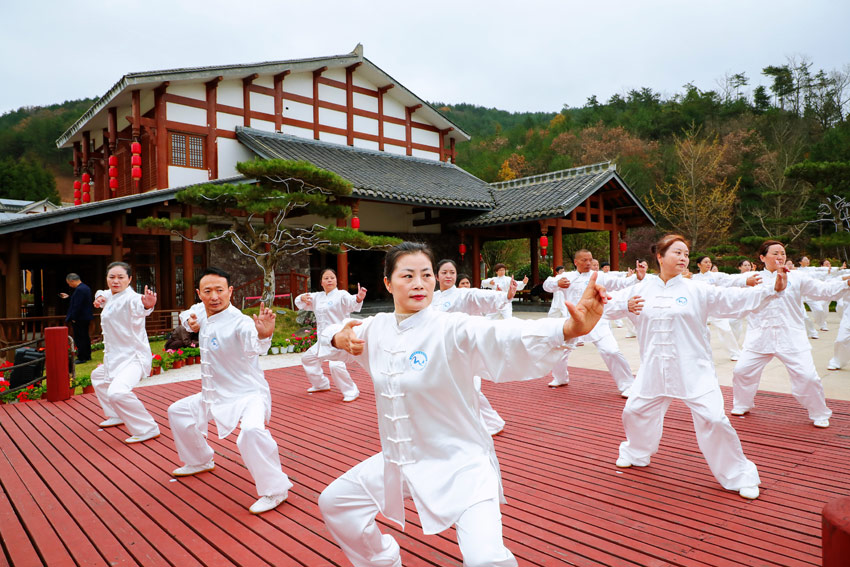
(56, 363)
(836, 532)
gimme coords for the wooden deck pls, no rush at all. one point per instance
(74, 495)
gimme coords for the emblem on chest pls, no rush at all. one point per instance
(418, 360)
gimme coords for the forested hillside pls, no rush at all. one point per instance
(712, 164)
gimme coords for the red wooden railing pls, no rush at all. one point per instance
(287, 283)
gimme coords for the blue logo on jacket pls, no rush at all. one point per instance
(418, 360)
(682, 300)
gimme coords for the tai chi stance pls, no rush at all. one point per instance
(126, 353)
(781, 332)
(331, 306)
(234, 391)
(670, 313)
(434, 448)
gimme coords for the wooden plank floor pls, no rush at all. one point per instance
(75, 495)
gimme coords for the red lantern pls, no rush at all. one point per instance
(86, 197)
(355, 223)
(136, 160)
(77, 202)
(78, 185)
(544, 243)
(136, 148)
(137, 172)
(623, 247)
(86, 188)
(113, 184)
(462, 249)
(113, 172)
(77, 194)
(86, 178)
(113, 161)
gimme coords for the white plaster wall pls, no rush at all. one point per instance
(146, 102)
(180, 176)
(262, 103)
(365, 102)
(392, 107)
(230, 93)
(396, 150)
(298, 110)
(366, 144)
(231, 152)
(188, 114)
(299, 83)
(333, 138)
(300, 132)
(328, 93)
(425, 137)
(426, 155)
(360, 81)
(365, 125)
(198, 91)
(396, 131)
(265, 81)
(330, 117)
(225, 121)
(390, 218)
(262, 125)
(336, 74)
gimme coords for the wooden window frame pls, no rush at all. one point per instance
(187, 136)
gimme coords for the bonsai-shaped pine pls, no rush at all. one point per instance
(256, 213)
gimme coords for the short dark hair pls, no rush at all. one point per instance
(403, 249)
(72, 277)
(461, 277)
(765, 246)
(499, 266)
(558, 269)
(703, 257)
(212, 271)
(331, 270)
(603, 264)
(124, 265)
(446, 261)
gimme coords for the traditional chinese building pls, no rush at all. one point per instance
(154, 133)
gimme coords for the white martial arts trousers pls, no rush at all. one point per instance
(841, 352)
(630, 327)
(342, 379)
(726, 336)
(643, 420)
(350, 512)
(819, 312)
(256, 446)
(617, 364)
(116, 397)
(806, 386)
(560, 372)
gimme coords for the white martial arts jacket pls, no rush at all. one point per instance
(124, 337)
(550, 285)
(432, 437)
(230, 366)
(675, 346)
(782, 327)
(469, 300)
(329, 308)
(502, 282)
(578, 283)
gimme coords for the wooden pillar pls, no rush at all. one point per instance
(381, 92)
(161, 136)
(452, 148)
(558, 246)
(278, 100)
(316, 74)
(349, 102)
(68, 239)
(136, 107)
(13, 285)
(246, 99)
(342, 263)
(56, 363)
(118, 238)
(615, 243)
(535, 261)
(408, 126)
(211, 149)
(835, 532)
(476, 261)
(188, 264)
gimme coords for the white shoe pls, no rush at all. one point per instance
(824, 328)
(112, 422)
(828, 367)
(266, 503)
(822, 423)
(557, 383)
(313, 389)
(814, 336)
(351, 398)
(619, 325)
(140, 438)
(749, 492)
(579, 343)
(627, 392)
(734, 358)
(630, 336)
(739, 411)
(189, 470)
(623, 463)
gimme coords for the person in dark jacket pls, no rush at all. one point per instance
(80, 316)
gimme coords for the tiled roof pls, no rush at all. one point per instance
(379, 176)
(549, 195)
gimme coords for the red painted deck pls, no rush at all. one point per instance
(73, 495)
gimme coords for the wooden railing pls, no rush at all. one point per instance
(291, 283)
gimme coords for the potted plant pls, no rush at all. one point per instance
(156, 364)
(84, 382)
(193, 353)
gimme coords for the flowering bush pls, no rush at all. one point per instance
(5, 364)
(303, 343)
(156, 361)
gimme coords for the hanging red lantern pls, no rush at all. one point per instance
(113, 184)
(462, 249)
(355, 222)
(113, 161)
(137, 172)
(86, 178)
(623, 247)
(86, 197)
(78, 185)
(78, 194)
(136, 148)
(544, 243)
(136, 160)
(77, 202)
(86, 188)
(113, 172)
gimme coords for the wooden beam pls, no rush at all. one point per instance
(112, 126)
(316, 74)
(210, 146)
(136, 108)
(161, 147)
(408, 132)
(381, 92)
(349, 102)
(278, 100)
(246, 99)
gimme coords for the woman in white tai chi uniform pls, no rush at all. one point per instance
(670, 313)
(434, 447)
(502, 282)
(781, 332)
(330, 306)
(234, 391)
(126, 353)
(722, 325)
(471, 301)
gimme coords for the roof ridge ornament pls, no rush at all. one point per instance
(556, 175)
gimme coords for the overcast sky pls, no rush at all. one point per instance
(513, 55)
